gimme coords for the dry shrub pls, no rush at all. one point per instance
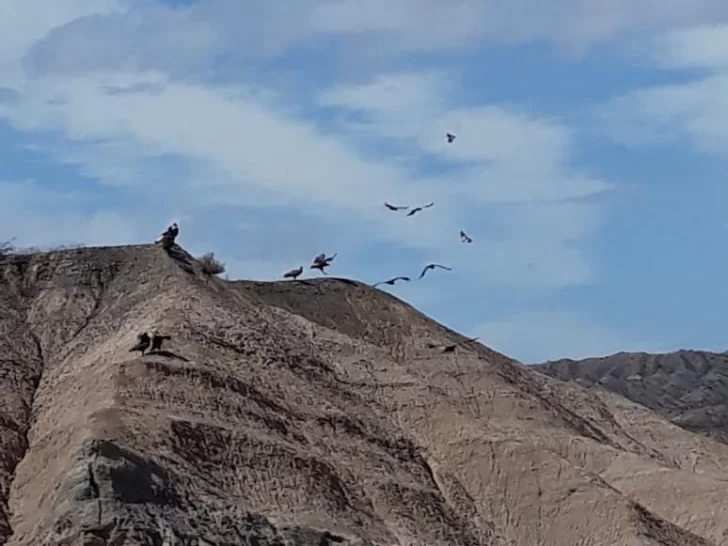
(210, 265)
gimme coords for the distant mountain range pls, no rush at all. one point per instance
(690, 388)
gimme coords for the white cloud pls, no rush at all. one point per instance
(696, 110)
(701, 46)
(228, 127)
(491, 140)
(258, 177)
(239, 147)
(24, 23)
(141, 36)
(572, 24)
(536, 336)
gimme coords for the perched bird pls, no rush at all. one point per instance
(394, 207)
(142, 345)
(450, 137)
(433, 266)
(392, 281)
(464, 237)
(418, 209)
(170, 233)
(321, 262)
(157, 340)
(293, 273)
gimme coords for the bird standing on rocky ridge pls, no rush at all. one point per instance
(157, 340)
(293, 273)
(143, 342)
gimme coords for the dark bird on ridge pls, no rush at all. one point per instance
(433, 266)
(143, 342)
(157, 340)
(450, 137)
(293, 273)
(464, 237)
(418, 209)
(394, 207)
(321, 262)
(170, 233)
(451, 348)
(167, 238)
(392, 281)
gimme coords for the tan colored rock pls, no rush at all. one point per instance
(309, 413)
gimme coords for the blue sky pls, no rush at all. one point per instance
(589, 164)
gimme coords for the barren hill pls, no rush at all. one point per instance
(690, 388)
(309, 413)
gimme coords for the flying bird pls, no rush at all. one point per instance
(321, 258)
(293, 273)
(433, 266)
(321, 262)
(143, 342)
(170, 233)
(157, 340)
(392, 281)
(450, 137)
(394, 207)
(451, 348)
(464, 237)
(418, 209)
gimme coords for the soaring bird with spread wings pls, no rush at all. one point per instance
(433, 266)
(464, 237)
(392, 281)
(418, 209)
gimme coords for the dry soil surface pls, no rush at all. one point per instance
(309, 413)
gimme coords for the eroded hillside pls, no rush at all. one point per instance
(690, 388)
(309, 413)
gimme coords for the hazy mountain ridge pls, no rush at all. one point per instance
(690, 388)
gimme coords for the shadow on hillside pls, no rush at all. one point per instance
(182, 257)
(169, 354)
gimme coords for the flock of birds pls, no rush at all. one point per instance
(321, 262)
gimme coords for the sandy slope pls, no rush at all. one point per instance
(309, 414)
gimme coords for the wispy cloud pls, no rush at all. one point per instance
(255, 155)
(696, 109)
(275, 131)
